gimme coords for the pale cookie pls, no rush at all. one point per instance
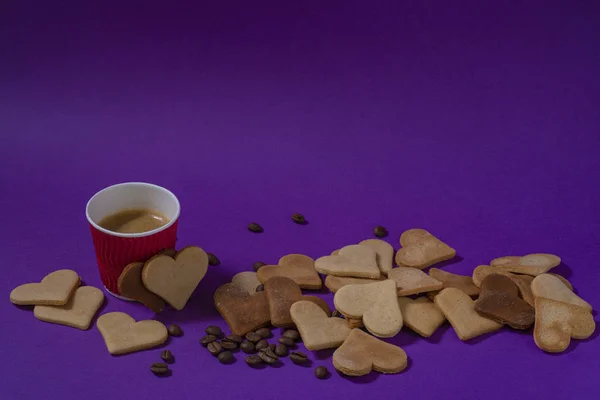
(130, 285)
(550, 287)
(298, 267)
(77, 313)
(413, 281)
(523, 282)
(481, 271)
(248, 280)
(384, 252)
(123, 335)
(361, 353)
(317, 329)
(459, 309)
(557, 322)
(335, 252)
(356, 260)
(461, 282)
(376, 303)
(241, 311)
(531, 264)
(54, 290)
(281, 293)
(421, 315)
(334, 283)
(175, 279)
(420, 249)
(562, 279)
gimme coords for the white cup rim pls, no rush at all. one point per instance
(139, 234)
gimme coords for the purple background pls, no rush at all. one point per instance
(479, 123)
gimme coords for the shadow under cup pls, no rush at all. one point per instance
(115, 250)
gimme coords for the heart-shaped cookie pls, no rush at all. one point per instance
(557, 322)
(361, 353)
(499, 301)
(420, 249)
(550, 287)
(413, 281)
(54, 290)
(175, 279)
(334, 283)
(481, 271)
(421, 315)
(130, 285)
(376, 303)
(523, 282)
(384, 252)
(247, 280)
(123, 335)
(459, 310)
(281, 293)
(356, 260)
(531, 264)
(317, 329)
(242, 312)
(298, 267)
(461, 282)
(77, 313)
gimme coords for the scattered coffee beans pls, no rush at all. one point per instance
(207, 339)
(336, 314)
(264, 332)
(253, 361)
(174, 330)
(254, 227)
(281, 350)
(380, 232)
(260, 288)
(235, 338)
(298, 218)
(292, 334)
(213, 260)
(321, 372)
(262, 344)
(286, 341)
(167, 356)
(226, 357)
(268, 356)
(213, 330)
(298, 358)
(228, 344)
(214, 348)
(253, 337)
(257, 265)
(248, 347)
(159, 368)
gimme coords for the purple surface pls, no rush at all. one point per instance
(479, 123)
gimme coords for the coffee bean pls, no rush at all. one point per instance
(226, 357)
(214, 348)
(248, 347)
(167, 356)
(380, 231)
(228, 344)
(281, 350)
(253, 337)
(264, 332)
(321, 372)
(262, 344)
(159, 368)
(298, 358)
(235, 338)
(272, 346)
(253, 361)
(336, 314)
(207, 339)
(174, 330)
(268, 356)
(299, 219)
(213, 330)
(254, 227)
(257, 265)
(292, 334)
(286, 341)
(213, 260)
(260, 288)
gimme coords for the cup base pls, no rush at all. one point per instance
(118, 296)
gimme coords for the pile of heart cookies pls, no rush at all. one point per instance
(169, 277)
(378, 291)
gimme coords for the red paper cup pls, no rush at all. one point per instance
(115, 250)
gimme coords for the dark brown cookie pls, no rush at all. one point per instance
(130, 285)
(242, 312)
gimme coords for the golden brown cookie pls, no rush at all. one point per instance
(531, 264)
(413, 281)
(334, 283)
(77, 313)
(54, 290)
(354, 323)
(298, 267)
(242, 312)
(356, 261)
(317, 329)
(461, 282)
(420, 249)
(523, 282)
(384, 252)
(123, 335)
(130, 285)
(421, 315)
